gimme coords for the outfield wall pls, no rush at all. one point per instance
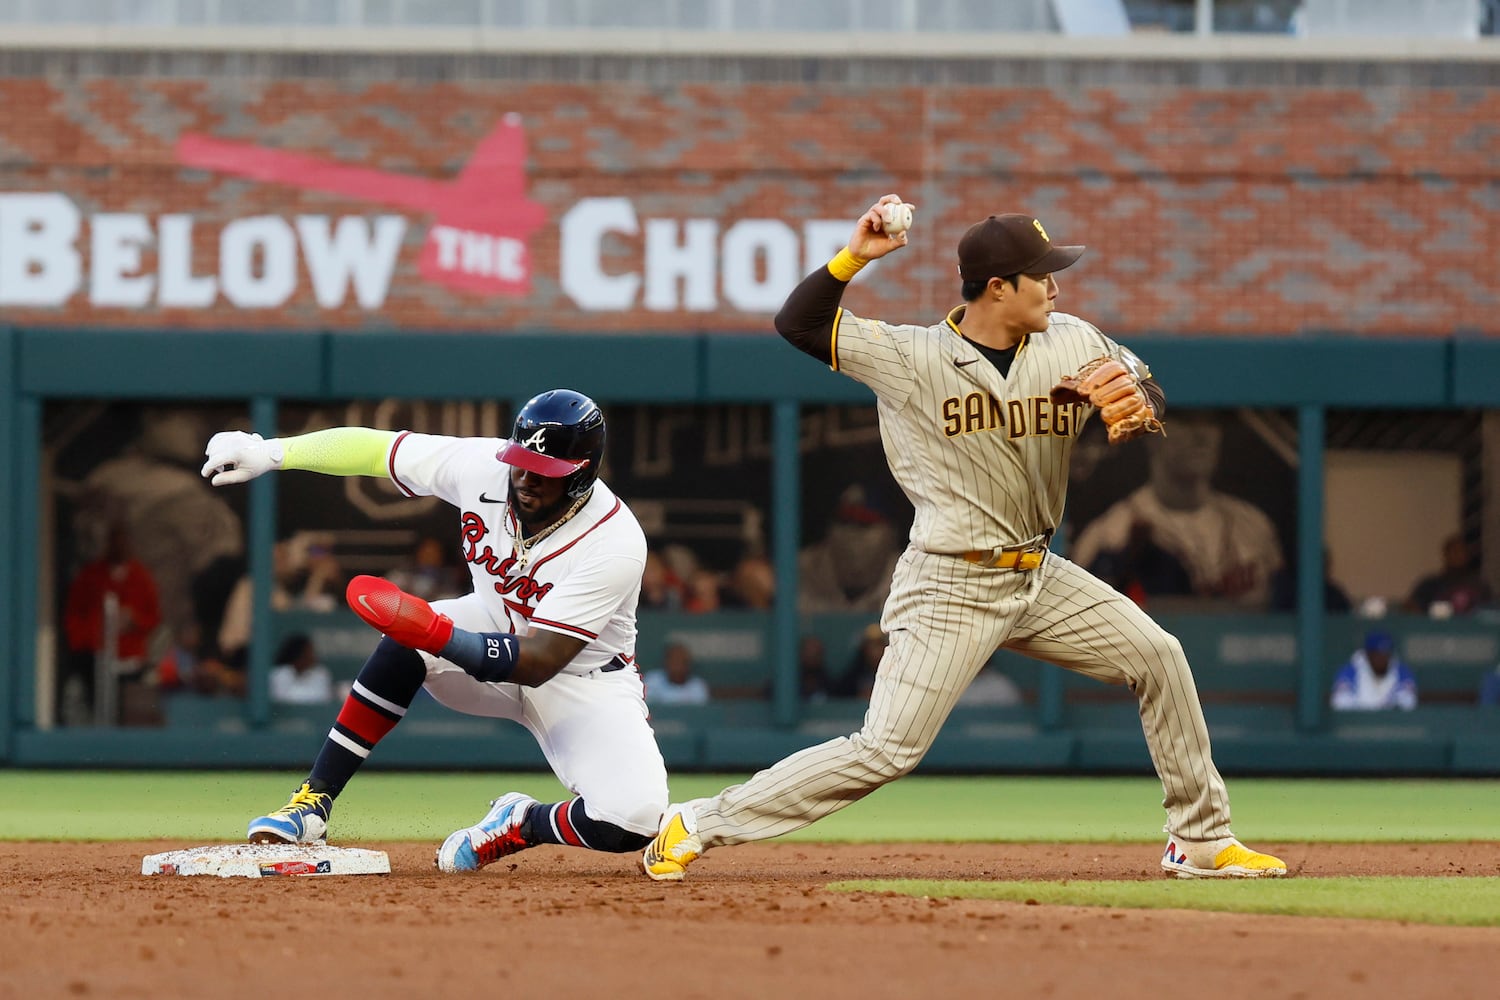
(1265, 678)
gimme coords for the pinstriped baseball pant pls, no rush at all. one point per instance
(945, 618)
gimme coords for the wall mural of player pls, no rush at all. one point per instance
(1187, 528)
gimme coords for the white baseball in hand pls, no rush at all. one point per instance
(895, 217)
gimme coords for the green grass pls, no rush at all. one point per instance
(1469, 902)
(383, 805)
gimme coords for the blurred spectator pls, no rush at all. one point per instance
(752, 584)
(1142, 568)
(1284, 590)
(1374, 678)
(859, 678)
(661, 588)
(1179, 522)
(430, 575)
(189, 665)
(179, 662)
(673, 683)
(851, 568)
(298, 678)
(1489, 688)
(305, 576)
(991, 688)
(318, 583)
(1456, 589)
(112, 595)
(681, 561)
(703, 592)
(812, 669)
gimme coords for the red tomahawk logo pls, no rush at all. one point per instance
(478, 240)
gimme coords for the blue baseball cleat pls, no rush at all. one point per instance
(492, 838)
(303, 820)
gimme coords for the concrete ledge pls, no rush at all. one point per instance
(964, 751)
(1476, 755)
(972, 748)
(960, 750)
(621, 42)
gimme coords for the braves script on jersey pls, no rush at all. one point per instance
(582, 580)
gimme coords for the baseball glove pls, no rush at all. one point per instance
(1109, 387)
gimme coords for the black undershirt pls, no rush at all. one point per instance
(1001, 357)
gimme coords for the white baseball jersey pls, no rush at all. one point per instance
(582, 580)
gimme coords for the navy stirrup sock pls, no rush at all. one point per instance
(382, 693)
(568, 823)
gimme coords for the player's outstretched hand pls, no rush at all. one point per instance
(237, 457)
(870, 239)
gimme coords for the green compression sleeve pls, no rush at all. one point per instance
(339, 451)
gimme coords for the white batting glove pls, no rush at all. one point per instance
(237, 457)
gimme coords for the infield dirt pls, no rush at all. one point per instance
(752, 921)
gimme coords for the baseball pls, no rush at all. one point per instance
(895, 218)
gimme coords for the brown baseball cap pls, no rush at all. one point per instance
(1003, 245)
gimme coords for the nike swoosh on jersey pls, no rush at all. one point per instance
(960, 364)
(488, 499)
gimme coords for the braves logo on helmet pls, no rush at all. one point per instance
(560, 434)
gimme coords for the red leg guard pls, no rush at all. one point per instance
(408, 620)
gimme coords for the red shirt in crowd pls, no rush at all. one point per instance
(133, 587)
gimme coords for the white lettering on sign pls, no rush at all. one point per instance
(257, 267)
(1479, 650)
(762, 264)
(583, 277)
(480, 253)
(687, 264)
(180, 288)
(115, 253)
(350, 256)
(685, 261)
(258, 262)
(1258, 647)
(610, 259)
(39, 264)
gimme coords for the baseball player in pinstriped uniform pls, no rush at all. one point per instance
(978, 415)
(547, 638)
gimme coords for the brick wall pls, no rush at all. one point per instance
(1262, 211)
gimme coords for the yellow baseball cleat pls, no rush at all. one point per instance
(675, 847)
(1226, 858)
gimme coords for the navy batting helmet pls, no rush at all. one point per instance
(558, 434)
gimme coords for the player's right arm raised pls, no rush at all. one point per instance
(808, 317)
(238, 457)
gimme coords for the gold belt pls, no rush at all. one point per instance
(1006, 560)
